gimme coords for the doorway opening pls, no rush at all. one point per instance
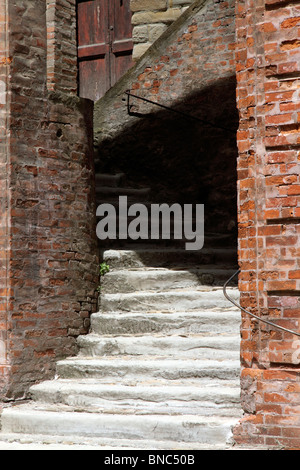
(183, 160)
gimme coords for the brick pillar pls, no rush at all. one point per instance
(268, 76)
(5, 61)
(61, 45)
(49, 264)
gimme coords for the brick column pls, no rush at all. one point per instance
(49, 264)
(5, 61)
(61, 45)
(268, 76)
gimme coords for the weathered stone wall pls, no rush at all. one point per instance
(151, 18)
(268, 72)
(48, 241)
(190, 69)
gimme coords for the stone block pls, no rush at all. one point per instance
(148, 5)
(155, 31)
(140, 49)
(178, 3)
(140, 34)
(148, 17)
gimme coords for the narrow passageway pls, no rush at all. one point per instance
(160, 368)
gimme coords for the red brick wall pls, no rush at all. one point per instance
(268, 71)
(4, 228)
(48, 239)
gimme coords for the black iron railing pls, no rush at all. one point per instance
(181, 113)
(271, 324)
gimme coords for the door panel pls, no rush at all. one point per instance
(122, 44)
(93, 89)
(104, 44)
(93, 48)
(93, 20)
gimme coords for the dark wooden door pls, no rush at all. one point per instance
(104, 44)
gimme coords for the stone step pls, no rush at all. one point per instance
(60, 390)
(104, 192)
(159, 279)
(108, 180)
(176, 300)
(165, 226)
(209, 322)
(195, 346)
(211, 240)
(166, 241)
(21, 441)
(147, 367)
(128, 244)
(90, 395)
(138, 257)
(33, 419)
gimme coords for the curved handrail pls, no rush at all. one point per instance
(252, 314)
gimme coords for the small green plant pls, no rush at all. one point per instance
(104, 268)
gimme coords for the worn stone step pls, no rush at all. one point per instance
(60, 390)
(209, 322)
(108, 180)
(147, 367)
(159, 279)
(90, 395)
(31, 419)
(21, 441)
(168, 257)
(196, 346)
(164, 226)
(114, 242)
(165, 241)
(117, 243)
(175, 300)
(108, 191)
(211, 240)
(132, 280)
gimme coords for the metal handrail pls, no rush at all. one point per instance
(273, 325)
(181, 113)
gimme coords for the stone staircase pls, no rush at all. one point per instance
(160, 368)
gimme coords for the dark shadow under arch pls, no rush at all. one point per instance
(183, 160)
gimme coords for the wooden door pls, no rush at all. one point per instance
(121, 39)
(104, 44)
